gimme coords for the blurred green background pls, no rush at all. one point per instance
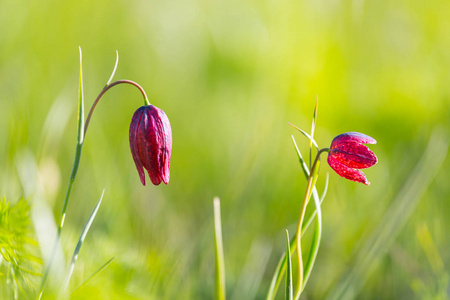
(230, 75)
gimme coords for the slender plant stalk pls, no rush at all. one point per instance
(79, 146)
(289, 293)
(314, 246)
(220, 263)
(312, 179)
(78, 247)
(281, 267)
(308, 192)
(313, 128)
(82, 129)
(105, 89)
(98, 271)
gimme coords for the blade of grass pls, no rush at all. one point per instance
(312, 180)
(86, 228)
(300, 158)
(313, 128)
(98, 271)
(315, 195)
(313, 214)
(289, 288)
(281, 267)
(306, 135)
(220, 262)
(76, 163)
(370, 255)
(80, 131)
(314, 245)
(430, 249)
(440, 275)
(114, 70)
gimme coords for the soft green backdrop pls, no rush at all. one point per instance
(230, 75)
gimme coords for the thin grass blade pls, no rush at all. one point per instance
(315, 241)
(431, 251)
(281, 267)
(313, 128)
(289, 288)
(309, 220)
(98, 271)
(86, 228)
(300, 158)
(80, 136)
(114, 70)
(218, 247)
(306, 135)
(76, 163)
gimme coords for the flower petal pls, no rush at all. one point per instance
(347, 172)
(133, 134)
(151, 143)
(355, 137)
(165, 147)
(354, 155)
(150, 140)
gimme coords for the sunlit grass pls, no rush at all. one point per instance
(229, 75)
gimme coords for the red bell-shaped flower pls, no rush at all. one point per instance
(151, 143)
(348, 154)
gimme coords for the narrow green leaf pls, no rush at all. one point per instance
(289, 288)
(218, 247)
(281, 267)
(73, 174)
(98, 271)
(31, 272)
(315, 241)
(325, 189)
(309, 220)
(313, 128)
(86, 228)
(114, 70)
(306, 135)
(300, 158)
(308, 193)
(80, 137)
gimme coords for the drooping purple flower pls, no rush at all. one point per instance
(348, 154)
(151, 143)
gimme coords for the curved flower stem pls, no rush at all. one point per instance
(105, 89)
(80, 141)
(312, 179)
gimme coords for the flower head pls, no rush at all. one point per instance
(348, 154)
(151, 143)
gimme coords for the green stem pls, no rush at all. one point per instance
(80, 140)
(105, 89)
(219, 257)
(309, 187)
(281, 267)
(298, 238)
(61, 218)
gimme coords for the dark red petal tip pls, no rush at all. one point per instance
(347, 172)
